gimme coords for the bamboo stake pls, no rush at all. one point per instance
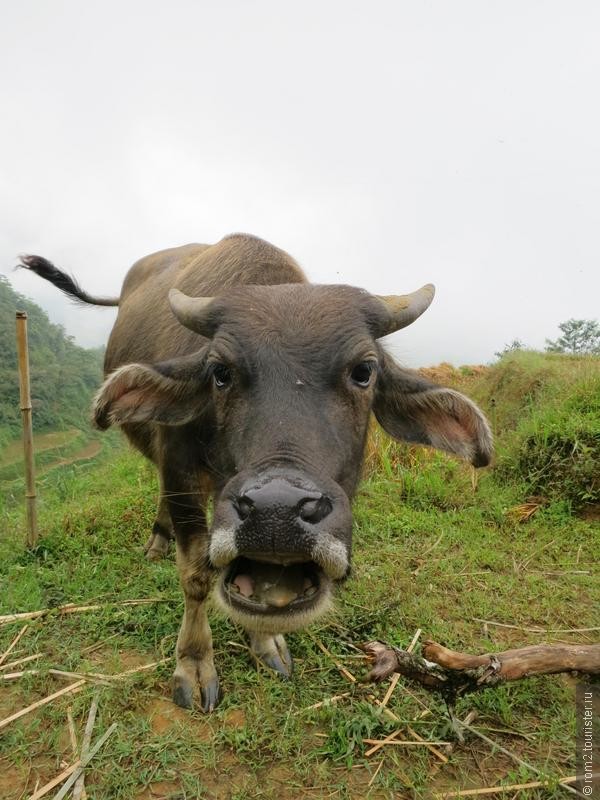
(25, 402)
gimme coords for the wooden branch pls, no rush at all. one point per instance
(539, 659)
(453, 674)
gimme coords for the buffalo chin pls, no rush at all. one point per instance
(273, 598)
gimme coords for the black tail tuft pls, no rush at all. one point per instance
(66, 283)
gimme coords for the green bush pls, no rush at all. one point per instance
(555, 450)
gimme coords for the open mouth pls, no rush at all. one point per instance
(261, 587)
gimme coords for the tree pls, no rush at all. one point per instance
(579, 336)
(516, 344)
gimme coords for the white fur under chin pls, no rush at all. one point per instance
(276, 624)
(222, 550)
(331, 555)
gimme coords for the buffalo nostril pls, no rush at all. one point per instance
(315, 510)
(243, 505)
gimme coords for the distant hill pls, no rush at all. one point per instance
(64, 376)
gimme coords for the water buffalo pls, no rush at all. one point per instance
(242, 381)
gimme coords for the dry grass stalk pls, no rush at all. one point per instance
(507, 752)
(86, 676)
(74, 687)
(12, 676)
(102, 677)
(84, 762)
(443, 759)
(18, 661)
(79, 790)
(72, 733)
(135, 670)
(74, 609)
(324, 702)
(73, 740)
(92, 647)
(471, 716)
(376, 773)
(372, 750)
(404, 743)
(513, 787)
(393, 682)
(12, 645)
(47, 787)
(414, 641)
(345, 672)
(535, 630)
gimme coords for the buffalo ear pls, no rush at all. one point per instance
(172, 393)
(412, 409)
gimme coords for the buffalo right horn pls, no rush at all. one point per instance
(406, 308)
(192, 312)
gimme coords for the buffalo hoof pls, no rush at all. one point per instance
(183, 694)
(157, 547)
(272, 651)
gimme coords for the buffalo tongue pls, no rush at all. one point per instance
(244, 584)
(272, 584)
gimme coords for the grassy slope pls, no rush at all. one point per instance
(430, 552)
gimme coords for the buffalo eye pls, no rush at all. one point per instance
(221, 375)
(362, 373)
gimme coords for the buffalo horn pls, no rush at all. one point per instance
(190, 311)
(406, 308)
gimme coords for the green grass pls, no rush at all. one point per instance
(430, 552)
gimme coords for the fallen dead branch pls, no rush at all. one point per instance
(453, 674)
(70, 608)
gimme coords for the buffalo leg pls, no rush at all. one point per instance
(157, 545)
(195, 667)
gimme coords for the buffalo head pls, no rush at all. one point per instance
(274, 405)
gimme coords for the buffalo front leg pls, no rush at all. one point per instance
(195, 670)
(195, 666)
(157, 545)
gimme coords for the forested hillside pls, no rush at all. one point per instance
(64, 376)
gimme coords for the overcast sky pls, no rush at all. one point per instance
(383, 144)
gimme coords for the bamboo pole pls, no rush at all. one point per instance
(25, 396)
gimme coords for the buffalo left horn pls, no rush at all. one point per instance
(406, 308)
(191, 311)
